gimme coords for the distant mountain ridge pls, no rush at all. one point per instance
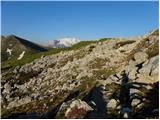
(13, 47)
(63, 42)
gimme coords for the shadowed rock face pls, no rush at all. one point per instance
(107, 79)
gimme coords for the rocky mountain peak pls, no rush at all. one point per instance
(63, 42)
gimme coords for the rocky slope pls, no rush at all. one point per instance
(106, 79)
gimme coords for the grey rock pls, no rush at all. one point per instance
(41, 98)
(150, 71)
(65, 87)
(78, 104)
(140, 57)
(7, 88)
(148, 87)
(63, 106)
(132, 74)
(151, 66)
(112, 104)
(16, 69)
(17, 102)
(16, 86)
(7, 96)
(26, 99)
(132, 91)
(2, 99)
(126, 111)
(12, 104)
(35, 96)
(10, 99)
(135, 102)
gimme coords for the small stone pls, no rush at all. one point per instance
(63, 106)
(16, 69)
(27, 99)
(7, 88)
(12, 104)
(135, 102)
(64, 87)
(35, 96)
(112, 104)
(41, 98)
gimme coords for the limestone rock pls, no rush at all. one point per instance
(112, 104)
(135, 102)
(126, 111)
(77, 105)
(7, 88)
(18, 102)
(151, 66)
(140, 57)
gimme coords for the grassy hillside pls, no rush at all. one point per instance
(30, 57)
(17, 45)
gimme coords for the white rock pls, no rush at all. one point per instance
(135, 102)
(140, 57)
(93, 103)
(151, 66)
(125, 115)
(7, 88)
(112, 104)
(125, 111)
(80, 105)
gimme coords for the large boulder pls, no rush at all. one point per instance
(140, 57)
(151, 66)
(77, 109)
(7, 88)
(150, 71)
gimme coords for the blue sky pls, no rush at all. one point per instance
(43, 21)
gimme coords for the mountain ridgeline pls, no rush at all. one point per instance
(13, 47)
(109, 78)
(64, 42)
(14, 53)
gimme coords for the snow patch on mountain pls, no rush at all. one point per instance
(68, 41)
(63, 42)
(21, 55)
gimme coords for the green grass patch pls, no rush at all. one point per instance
(104, 39)
(153, 50)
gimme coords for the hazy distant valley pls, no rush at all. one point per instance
(69, 78)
